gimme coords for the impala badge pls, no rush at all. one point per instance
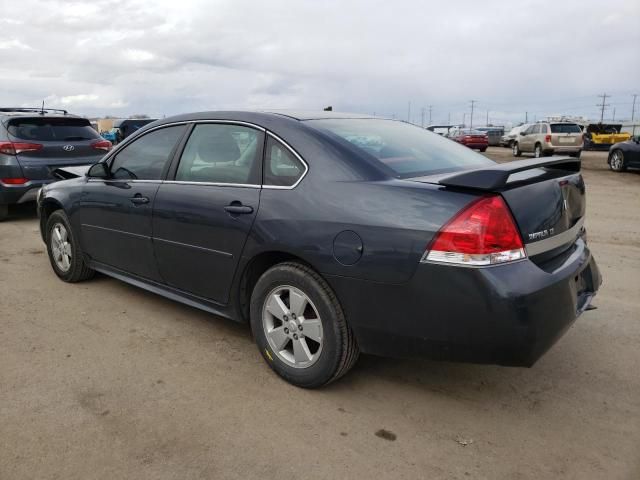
(541, 234)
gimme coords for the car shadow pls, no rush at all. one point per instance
(22, 212)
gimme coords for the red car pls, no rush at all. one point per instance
(471, 138)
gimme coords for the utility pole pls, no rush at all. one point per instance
(487, 118)
(614, 115)
(449, 119)
(409, 113)
(633, 107)
(604, 104)
(526, 117)
(422, 117)
(430, 109)
(464, 120)
(473, 102)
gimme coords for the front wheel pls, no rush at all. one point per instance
(515, 148)
(65, 254)
(616, 162)
(299, 326)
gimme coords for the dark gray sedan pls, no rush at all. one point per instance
(334, 235)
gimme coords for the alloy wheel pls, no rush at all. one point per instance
(617, 161)
(292, 326)
(61, 247)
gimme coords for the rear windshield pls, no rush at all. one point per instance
(406, 150)
(565, 128)
(52, 129)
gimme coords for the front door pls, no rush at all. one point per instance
(115, 212)
(201, 219)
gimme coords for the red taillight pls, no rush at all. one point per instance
(483, 233)
(14, 181)
(547, 138)
(13, 148)
(102, 145)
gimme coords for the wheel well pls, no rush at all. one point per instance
(45, 212)
(254, 270)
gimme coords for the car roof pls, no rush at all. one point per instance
(318, 115)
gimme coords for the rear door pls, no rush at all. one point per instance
(55, 142)
(526, 141)
(115, 213)
(203, 215)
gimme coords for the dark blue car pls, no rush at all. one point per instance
(333, 235)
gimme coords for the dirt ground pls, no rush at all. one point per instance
(103, 380)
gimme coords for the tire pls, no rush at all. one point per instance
(326, 346)
(537, 151)
(483, 150)
(515, 149)
(65, 255)
(617, 161)
(576, 154)
(4, 212)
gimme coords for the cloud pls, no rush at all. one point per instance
(165, 57)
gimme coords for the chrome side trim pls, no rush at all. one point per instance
(212, 184)
(116, 231)
(196, 247)
(556, 241)
(306, 166)
(122, 180)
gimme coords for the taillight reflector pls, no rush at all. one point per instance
(13, 148)
(14, 181)
(102, 145)
(483, 233)
(547, 138)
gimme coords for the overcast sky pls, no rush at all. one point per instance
(166, 57)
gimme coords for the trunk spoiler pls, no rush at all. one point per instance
(497, 176)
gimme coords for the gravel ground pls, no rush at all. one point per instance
(103, 380)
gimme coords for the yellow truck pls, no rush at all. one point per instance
(600, 136)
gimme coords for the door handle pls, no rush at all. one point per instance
(236, 208)
(139, 199)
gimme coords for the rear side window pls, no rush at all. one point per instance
(218, 153)
(146, 157)
(403, 149)
(282, 168)
(52, 129)
(565, 128)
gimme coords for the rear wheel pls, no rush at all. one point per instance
(576, 154)
(515, 148)
(483, 150)
(537, 151)
(299, 326)
(65, 254)
(4, 211)
(616, 162)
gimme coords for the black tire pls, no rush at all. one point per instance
(483, 150)
(515, 149)
(78, 269)
(576, 154)
(4, 211)
(339, 350)
(537, 151)
(617, 162)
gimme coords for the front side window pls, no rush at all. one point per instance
(146, 157)
(218, 153)
(282, 168)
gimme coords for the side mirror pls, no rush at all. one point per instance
(98, 170)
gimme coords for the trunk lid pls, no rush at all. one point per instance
(566, 135)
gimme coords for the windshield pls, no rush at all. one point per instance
(406, 150)
(52, 129)
(565, 128)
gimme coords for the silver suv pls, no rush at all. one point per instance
(547, 138)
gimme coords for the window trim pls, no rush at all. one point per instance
(180, 147)
(295, 154)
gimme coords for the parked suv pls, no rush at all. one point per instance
(35, 142)
(547, 138)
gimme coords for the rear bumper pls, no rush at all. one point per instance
(12, 194)
(561, 148)
(476, 145)
(508, 315)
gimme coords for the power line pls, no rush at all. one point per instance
(604, 104)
